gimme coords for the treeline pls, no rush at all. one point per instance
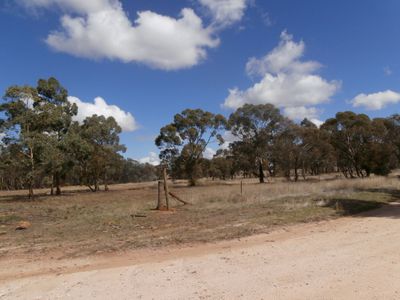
(42, 146)
(265, 143)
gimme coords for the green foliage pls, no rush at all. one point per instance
(95, 147)
(267, 142)
(256, 127)
(184, 141)
(42, 146)
(363, 146)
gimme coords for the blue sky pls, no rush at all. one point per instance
(310, 57)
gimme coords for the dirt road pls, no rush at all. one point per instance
(349, 258)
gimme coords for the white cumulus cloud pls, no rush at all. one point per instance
(298, 113)
(209, 153)
(102, 29)
(69, 5)
(286, 81)
(225, 12)
(229, 138)
(317, 122)
(376, 101)
(285, 58)
(152, 159)
(101, 108)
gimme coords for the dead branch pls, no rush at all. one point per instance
(179, 199)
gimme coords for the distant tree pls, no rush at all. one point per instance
(287, 150)
(318, 155)
(221, 167)
(350, 134)
(99, 138)
(12, 171)
(184, 141)
(362, 146)
(243, 159)
(133, 171)
(255, 127)
(382, 149)
(392, 125)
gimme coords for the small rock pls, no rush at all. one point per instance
(23, 225)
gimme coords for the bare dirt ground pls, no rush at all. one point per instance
(81, 223)
(348, 258)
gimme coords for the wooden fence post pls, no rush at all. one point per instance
(159, 204)
(166, 187)
(241, 187)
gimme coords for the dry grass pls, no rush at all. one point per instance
(80, 223)
(256, 193)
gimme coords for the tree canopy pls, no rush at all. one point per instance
(183, 142)
(41, 144)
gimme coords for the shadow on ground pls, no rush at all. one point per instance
(394, 193)
(358, 207)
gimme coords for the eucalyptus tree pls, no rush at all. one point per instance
(318, 155)
(221, 167)
(24, 126)
(350, 135)
(97, 147)
(12, 171)
(37, 118)
(184, 141)
(392, 125)
(57, 112)
(256, 127)
(383, 148)
(363, 146)
(134, 171)
(287, 150)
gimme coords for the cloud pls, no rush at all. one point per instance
(299, 113)
(376, 101)
(78, 6)
(286, 81)
(266, 18)
(228, 139)
(152, 159)
(225, 12)
(317, 122)
(209, 153)
(285, 58)
(100, 107)
(99, 29)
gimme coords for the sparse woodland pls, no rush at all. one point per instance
(42, 145)
(267, 144)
